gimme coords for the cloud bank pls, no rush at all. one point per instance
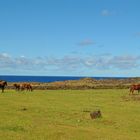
(67, 64)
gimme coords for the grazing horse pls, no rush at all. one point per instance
(134, 87)
(26, 86)
(17, 86)
(2, 85)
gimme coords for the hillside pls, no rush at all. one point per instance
(85, 83)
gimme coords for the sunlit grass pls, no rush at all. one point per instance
(64, 114)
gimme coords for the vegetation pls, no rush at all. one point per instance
(85, 83)
(65, 115)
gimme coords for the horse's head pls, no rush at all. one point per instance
(15, 85)
(5, 83)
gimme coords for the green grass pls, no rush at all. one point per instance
(62, 115)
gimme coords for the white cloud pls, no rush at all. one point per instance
(86, 42)
(106, 12)
(125, 62)
(68, 64)
(4, 56)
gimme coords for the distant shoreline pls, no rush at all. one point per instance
(83, 83)
(18, 78)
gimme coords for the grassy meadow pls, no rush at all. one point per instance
(64, 115)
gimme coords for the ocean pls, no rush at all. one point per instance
(13, 78)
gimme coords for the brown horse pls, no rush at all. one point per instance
(26, 86)
(16, 86)
(134, 87)
(3, 84)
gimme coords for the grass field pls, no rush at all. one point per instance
(63, 115)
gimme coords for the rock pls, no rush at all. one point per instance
(95, 114)
(24, 109)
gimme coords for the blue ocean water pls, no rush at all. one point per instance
(13, 78)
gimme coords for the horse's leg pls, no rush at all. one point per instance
(18, 88)
(21, 89)
(31, 89)
(2, 89)
(131, 91)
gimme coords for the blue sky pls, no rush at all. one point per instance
(70, 37)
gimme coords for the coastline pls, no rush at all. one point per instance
(29, 78)
(83, 83)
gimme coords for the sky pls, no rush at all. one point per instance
(70, 37)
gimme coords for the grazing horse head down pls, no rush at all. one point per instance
(26, 86)
(134, 87)
(3, 84)
(16, 86)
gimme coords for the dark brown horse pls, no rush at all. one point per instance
(16, 86)
(134, 87)
(3, 84)
(26, 86)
